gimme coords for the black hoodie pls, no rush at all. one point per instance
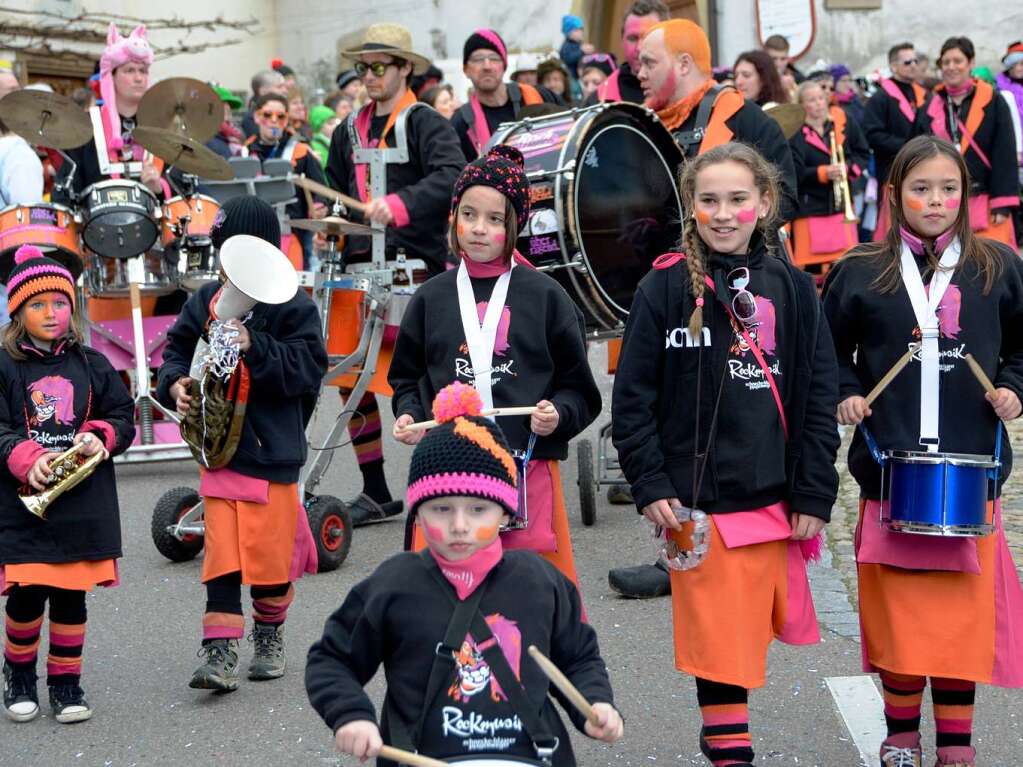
(750, 465)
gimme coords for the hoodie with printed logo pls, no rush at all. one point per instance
(662, 367)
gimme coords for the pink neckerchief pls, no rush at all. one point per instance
(610, 90)
(493, 268)
(814, 139)
(892, 89)
(479, 131)
(467, 574)
(916, 244)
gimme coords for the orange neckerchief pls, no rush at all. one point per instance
(675, 114)
(406, 101)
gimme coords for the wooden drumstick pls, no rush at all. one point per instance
(407, 757)
(326, 191)
(890, 375)
(979, 374)
(560, 681)
(525, 410)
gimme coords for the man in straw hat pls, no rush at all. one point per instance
(412, 200)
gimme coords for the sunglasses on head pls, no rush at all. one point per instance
(744, 304)
(271, 116)
(377, 67)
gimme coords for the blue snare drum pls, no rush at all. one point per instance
(937, 493)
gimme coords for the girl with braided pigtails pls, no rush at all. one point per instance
(724, 422)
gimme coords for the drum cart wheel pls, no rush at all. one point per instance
(331, 523)
(170, 510)
(587, 485)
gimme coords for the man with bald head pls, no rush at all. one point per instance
(675, 75)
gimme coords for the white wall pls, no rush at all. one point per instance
(861, 39)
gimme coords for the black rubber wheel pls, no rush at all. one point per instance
(587, 486)
(331, 523)
(173, 505)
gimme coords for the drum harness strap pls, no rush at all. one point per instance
(467, 619)
(689, 140)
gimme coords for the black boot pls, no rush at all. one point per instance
(68, 703)
(641, 581)
(21, 697)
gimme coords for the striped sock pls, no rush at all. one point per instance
(903, 698)
(369, 448)
(270, 603)
(223, 618)
(23, 620)
(953, 711)
(67, 636)
(725, 737)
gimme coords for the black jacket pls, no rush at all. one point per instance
(74, 385)
(543, 356)
(286, 362)
(872, 330)
(816, 197)
(750, 465)
(424, 184)
(628, 86)
(397, 617)
(508, 112)
(886, 127)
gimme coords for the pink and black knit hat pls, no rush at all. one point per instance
(502, 168)
(34, 273)
(487, 39)
(465, 454)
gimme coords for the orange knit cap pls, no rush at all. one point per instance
(685, 36)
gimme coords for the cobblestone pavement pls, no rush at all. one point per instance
(843, 525)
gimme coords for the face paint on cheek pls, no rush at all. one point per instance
(914, 204)
(432, 533)
(703, 217)
(952, 203)
(460, 230)
(747, 215)
(666, 93)
(484, 534)
(500, 237)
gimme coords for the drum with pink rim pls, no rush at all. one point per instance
(51, 228)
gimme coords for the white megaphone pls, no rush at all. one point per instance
(257, 273)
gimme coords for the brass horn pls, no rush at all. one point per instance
(68, 470)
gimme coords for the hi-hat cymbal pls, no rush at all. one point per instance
(331, 225)
(788, 116)
(183, 105)
(46, 119)
(184, 153)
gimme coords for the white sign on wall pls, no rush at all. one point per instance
(792, 19)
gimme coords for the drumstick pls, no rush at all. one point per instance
(407, 757)
(525, 410)
(979, 374)
(326, 191)
(890, 375)
(560, 681)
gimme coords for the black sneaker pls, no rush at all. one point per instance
(220, 671)
(21, 698)
(641, 581)
(268, 659)
(365, 511)
(69, 704)
(620, 495)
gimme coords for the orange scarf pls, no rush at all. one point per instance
(675, 114)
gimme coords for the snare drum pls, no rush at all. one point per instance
(604, 203)
(108, 277)
(119, 218)
(200, 210)
(937, 493)
(51, 228)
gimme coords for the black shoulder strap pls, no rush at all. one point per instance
(515, 96)
(689, 140)
(467, 114)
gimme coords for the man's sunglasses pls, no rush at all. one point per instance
(377, 67)
(910, 62)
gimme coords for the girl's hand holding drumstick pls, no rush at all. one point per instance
(609, 727)
(545, 420)
(852, 410)
(361, 739)
(1004, 401)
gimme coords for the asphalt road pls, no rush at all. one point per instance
(143, 636)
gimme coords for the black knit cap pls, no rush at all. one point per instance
(502, 168)
(246, 215)
(488, 39)
(465, 454)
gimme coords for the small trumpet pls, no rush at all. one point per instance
(841, 185)
(68, 470)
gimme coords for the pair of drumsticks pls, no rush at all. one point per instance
(887, 378)
(558, 679)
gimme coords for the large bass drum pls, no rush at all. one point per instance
(604, 201)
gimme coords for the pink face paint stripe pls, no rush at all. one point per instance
(952, 203)
(747, 215)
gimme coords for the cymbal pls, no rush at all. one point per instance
(46, 119)
(788, 116)
(331, 225)
(183, 105)
(184, 153)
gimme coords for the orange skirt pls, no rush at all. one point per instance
(562, 557)
(73, 576)
(343, 333)
(1003, 232)
(803, 256)
(728, 609)
(252, 538)
(614, 351)
(947, 624)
